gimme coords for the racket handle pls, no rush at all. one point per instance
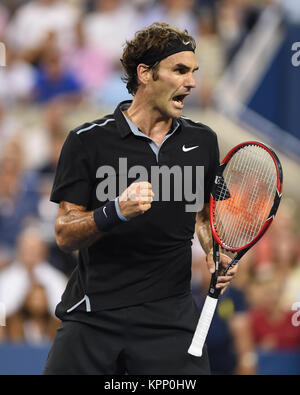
(203, 326)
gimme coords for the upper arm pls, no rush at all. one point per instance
(203, 215)
(73, 180)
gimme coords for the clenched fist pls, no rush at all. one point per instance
(136, 199)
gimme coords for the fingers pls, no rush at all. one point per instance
(141, 192)
(136, 199)
(222, 281)
(224, 261)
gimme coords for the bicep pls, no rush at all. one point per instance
(73, 181)
(203, 215)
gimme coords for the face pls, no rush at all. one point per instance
(31, 249)
(36, 301)
(173, 83)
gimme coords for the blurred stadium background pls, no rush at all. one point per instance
(61, 69)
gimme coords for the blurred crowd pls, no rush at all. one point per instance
(72, 49)
(63, 57)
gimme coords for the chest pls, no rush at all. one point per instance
(176, 167)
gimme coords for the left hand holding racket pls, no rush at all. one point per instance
(223, 281)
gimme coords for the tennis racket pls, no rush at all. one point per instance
(244, 200)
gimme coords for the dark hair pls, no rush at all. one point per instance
(154, 37)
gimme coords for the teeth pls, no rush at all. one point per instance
(178, 98)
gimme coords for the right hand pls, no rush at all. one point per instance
(136, 199)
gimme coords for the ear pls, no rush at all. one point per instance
(143, 73)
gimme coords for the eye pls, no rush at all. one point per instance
(180, 71)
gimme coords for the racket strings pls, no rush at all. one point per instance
(232, 174)
(241, 166)
(248, 227)
(245, 195)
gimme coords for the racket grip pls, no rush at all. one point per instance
(202, 329)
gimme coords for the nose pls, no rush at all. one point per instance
(190, 81)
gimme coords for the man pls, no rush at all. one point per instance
(128, 305)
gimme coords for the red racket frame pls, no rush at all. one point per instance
(212, 203)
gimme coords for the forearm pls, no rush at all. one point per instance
(203, 230)
(204, 236)
(76, 230)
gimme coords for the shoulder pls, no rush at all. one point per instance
(94, 128)
(197, 127)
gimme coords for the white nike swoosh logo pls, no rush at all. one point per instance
(104, 212)
(184, 149)
(186, 42)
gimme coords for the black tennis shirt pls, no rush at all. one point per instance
(149, 257)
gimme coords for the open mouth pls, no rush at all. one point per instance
(179, 100)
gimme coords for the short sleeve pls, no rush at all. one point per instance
(72, 182)
(213, 167)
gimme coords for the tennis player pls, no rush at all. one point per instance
(128, 305)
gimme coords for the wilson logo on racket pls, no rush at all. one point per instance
(243, 203)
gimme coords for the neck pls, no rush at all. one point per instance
(148, 119)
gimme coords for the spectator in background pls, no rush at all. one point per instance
(278, 251)
(236, 19)
(229, 21)
(32, 323)
(109, 25)
(271, 324)
(19, 194)
(9, 126)
(99, 30)
(179, 13)
(16, 79)
(91, 64)
(210, 56)
(54, 123)
(30, 267)
(35, 20)
(3, 21)
(54, 82)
